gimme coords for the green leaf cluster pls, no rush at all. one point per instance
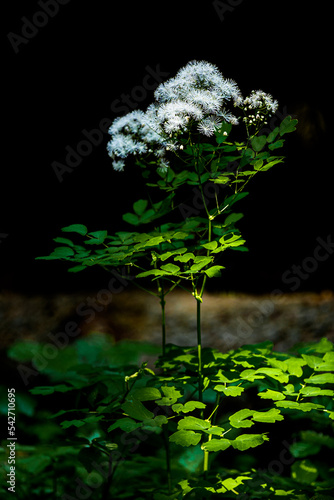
(126, 410)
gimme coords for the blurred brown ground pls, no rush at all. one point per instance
(228, 320)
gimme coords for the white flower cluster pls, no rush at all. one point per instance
(258, 105)
(198, 94)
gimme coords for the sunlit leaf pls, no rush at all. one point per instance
(214, 271)
(240, 419)
(216, 444)
(185, 438)
(269, 394)
(229, 391)
(188, 406)
(171, 395)
(246, 441)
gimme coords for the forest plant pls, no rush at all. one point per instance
(200, 134)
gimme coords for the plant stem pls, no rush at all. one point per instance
(206, 458)
(163, 317)
(199, 348)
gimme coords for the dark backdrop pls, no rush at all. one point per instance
(69, 64)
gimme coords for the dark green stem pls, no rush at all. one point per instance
(199, 349)
(161, 292)
(163, 324)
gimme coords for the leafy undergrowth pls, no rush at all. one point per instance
(95, 421)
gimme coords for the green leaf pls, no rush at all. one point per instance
(304, 471)
(62, 252)
(269, 394)
(135, 409)
(272, 136)
(323, 378)
(317, 438)
(69, 423)
(156, 422)
(185, 258)
(214, 271)
(288, 125)
(295, 366)
(233, 240)
(45, 390)
(251, 375)
(131, 219)
(188, 406)
(294, 405)
(269, 165)
(125, 424)
(171, 268)
(222, 179)
(246, 441)
(312, 361)
(302, 449)
(146, 393)
(309, 391)
(64, 241)
(258, 142)
(152, 272)
(212, 245)
(216, 445)
(75, 228)
(271, 416)
(229, 391)
(276, 145)
(98, 236)
(232, 218)
(139, 206)
(185, 438)
(275, 373)
(171, 395)
(156, 240)
(199, 263)
(323, 346)
(193, 423)
(76, 269)
(237, 420)
(231, 483)
(215, 430)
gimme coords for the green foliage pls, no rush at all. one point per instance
(128, 416)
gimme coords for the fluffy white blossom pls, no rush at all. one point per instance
(259, 99)
(175, 115)
(208, 125)
(195, 76)
(118, 165)
(198, 96)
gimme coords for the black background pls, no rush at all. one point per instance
(68, 74)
